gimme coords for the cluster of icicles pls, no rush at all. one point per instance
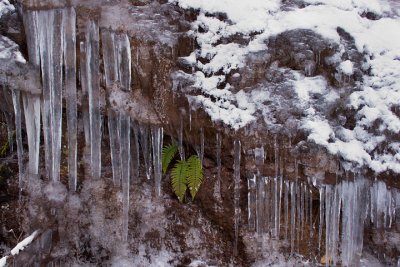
(276, 206)
(284, 209)
(51, 39)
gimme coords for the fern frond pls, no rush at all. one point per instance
(179, 179)
(168, 153)
(194, 174)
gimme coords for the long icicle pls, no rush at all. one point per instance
(236, 199)
(31, 102)
(157, 143)
(125, 171)
(69, 21)
(20, 150)
(93, 80)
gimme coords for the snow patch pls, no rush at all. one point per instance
(346, 67)
(10, 50)
(5, 7)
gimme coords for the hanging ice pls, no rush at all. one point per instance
(84, 97)
(292, 216)
(180, 139)
(259, 155)
(125, 169)
(93, 79)
(260, 204)
(18, 132)
(31, 102)
(146, 149)
(32, 123)
(114, 125)
(251, 202)
(135, 155)
(354, 204)
(157, 143)
(236, 199)
(69, 21)
(114, 128)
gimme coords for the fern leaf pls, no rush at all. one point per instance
(179, 179)
(194, 174)
(168, 153)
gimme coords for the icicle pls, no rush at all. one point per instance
(321, 215)
(260, 204)
(201, 156)
(32, 122)
(268, 206)
(125, 168)
(114, 128)
(31, 102)
(286, 207)
(180, 145)
(276, 191)
(328, 223)
(124, 61)
(379, 203)
(306, 202)
(109, 58)
(298, 204)
(113, 117)
(85, 101)
(311, 211)
(292, 215)
(259, 155)
(146, 149)
(157, 141)
(218, 184)
(251, 202)
(335, 223)
(135, 160)
(17, 110)
(236, 199)
(302, 208)
(93, 79)
(70, 92)
(190, 119)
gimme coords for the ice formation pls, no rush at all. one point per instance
(344, 210)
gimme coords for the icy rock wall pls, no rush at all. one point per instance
(56, 28)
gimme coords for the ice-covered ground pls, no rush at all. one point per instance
(374, 101)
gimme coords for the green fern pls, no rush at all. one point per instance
(194, 174)
(179, 179)
(168, 153)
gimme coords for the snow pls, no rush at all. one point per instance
(5, 7)
(9, 49)
(3, 261)
(347, 67)
(306, 86)
(258, 20)
(19, 247)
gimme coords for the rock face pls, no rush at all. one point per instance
(311, 109)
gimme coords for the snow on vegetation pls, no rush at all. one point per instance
(19, 247)
(375, 100)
